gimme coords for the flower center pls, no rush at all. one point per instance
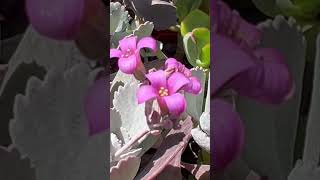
(127, 53)
(163, 92)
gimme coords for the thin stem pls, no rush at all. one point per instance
(131, 142)
(180, 147)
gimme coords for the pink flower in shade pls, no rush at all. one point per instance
(129, 52)
(165, 90)
(194, 86)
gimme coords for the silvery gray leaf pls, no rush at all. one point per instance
(119, 19)
(49, 126)
(195, 102)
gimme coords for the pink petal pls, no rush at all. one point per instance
(176, 81)
(270, 82)
(194, 86)
(148, 42)
(176, 103)
(228, 63)
(115, 53)
(158, 79)
(128, 65)
(171, 63)
(128, 43)
(146, 93)
(227, 132)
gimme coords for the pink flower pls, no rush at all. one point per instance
(165, 90)
(129, 52)
(194, 86)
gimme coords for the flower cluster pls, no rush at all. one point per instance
(166, 86)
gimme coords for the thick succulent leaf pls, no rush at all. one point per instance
(14, 86)
(44, 52)
(169, 154)
(271, 131)
(201, 134)
(126, 169)
(118, 17)
(191, 49)
(13, 166)
(312, 146)
(201, 138)
(185, 6)
(119, 79)
(144, 30)
(133, 119)
(195, 19)
(195, 102)
(161, 12)
(268, 7)
(50, 127)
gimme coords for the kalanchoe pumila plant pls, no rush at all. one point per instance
(162, 95)
(152, 100)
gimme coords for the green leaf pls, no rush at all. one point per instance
(191, 49)
(201, 36)
(185, 6)
(204, 60)
(195, 19)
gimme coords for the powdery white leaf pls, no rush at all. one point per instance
(144, 30)
(201, 134)
(118, 17)
(126, 169)
(45, 52)
(195, 102)
(49, 126)
(132, 114)
(271, 130)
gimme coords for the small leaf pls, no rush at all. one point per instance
(201, 36)
(190, 48)
(126, 169)
(204, 57)
(118, 17)
(195, 19)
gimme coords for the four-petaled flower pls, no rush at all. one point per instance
(165, 90)
(129, 52)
